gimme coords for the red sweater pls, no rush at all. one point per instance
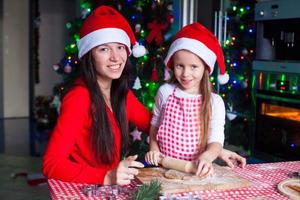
(69, 156)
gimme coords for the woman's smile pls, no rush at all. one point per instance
(115, 67)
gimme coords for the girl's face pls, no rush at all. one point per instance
(109, 60)
(188, 71)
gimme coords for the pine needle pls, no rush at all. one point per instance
(148, 191)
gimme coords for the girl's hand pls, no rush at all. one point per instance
(205, 168)
(232, 159)
(153, 157)
(125, 171)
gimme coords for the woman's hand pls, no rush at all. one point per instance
(232, 159)
(153, 157)
(205, 167)
(125, 171)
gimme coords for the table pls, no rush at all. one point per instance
(263, 177)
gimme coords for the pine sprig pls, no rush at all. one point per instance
(148, 191)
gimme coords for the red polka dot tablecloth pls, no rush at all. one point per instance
(264, 179)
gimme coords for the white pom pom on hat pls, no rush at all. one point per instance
(200, 41)
(106, 25)
(138, 50)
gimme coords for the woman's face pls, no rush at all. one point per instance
(188, 71)
(109, 60)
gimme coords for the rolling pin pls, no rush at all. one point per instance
(177, 164)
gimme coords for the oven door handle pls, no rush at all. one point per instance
(281, 99)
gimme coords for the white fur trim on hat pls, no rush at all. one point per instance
(223, 78)
(196, 47)
(102, 36)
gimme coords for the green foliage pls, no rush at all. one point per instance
(148, 191)
(139, 147)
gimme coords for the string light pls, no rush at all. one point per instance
(68, 25)
(241, 78)
(76, 37)
(150, 105)
(86, 5)
(242, 10)
(146, 57)
(143, 34)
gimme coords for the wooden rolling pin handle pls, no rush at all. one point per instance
(190, 167)
(177, 164)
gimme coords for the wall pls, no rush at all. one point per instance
(14, 51)
(15, 58)
(53, 37)
(15, 88)
(1, 65)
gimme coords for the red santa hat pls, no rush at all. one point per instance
(106, 25)
(200, 41)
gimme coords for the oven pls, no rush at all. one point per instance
(277, 114)
(276, 81)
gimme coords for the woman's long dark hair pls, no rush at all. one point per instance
(102, 137)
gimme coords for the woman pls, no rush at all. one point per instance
(91, 132)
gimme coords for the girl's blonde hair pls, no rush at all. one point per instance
(206, 108)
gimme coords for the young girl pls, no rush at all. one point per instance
(91, 132)
(188, 118)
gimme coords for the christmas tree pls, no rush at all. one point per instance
(239, 53)
(151, 22)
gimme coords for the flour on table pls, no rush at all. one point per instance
(222, 178)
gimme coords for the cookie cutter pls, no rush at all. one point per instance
(295, 174)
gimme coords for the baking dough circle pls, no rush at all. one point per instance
(284, 189)
(174, 174)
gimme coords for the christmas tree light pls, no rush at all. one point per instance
(238, 52)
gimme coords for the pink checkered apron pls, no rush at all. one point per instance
(179, 133)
